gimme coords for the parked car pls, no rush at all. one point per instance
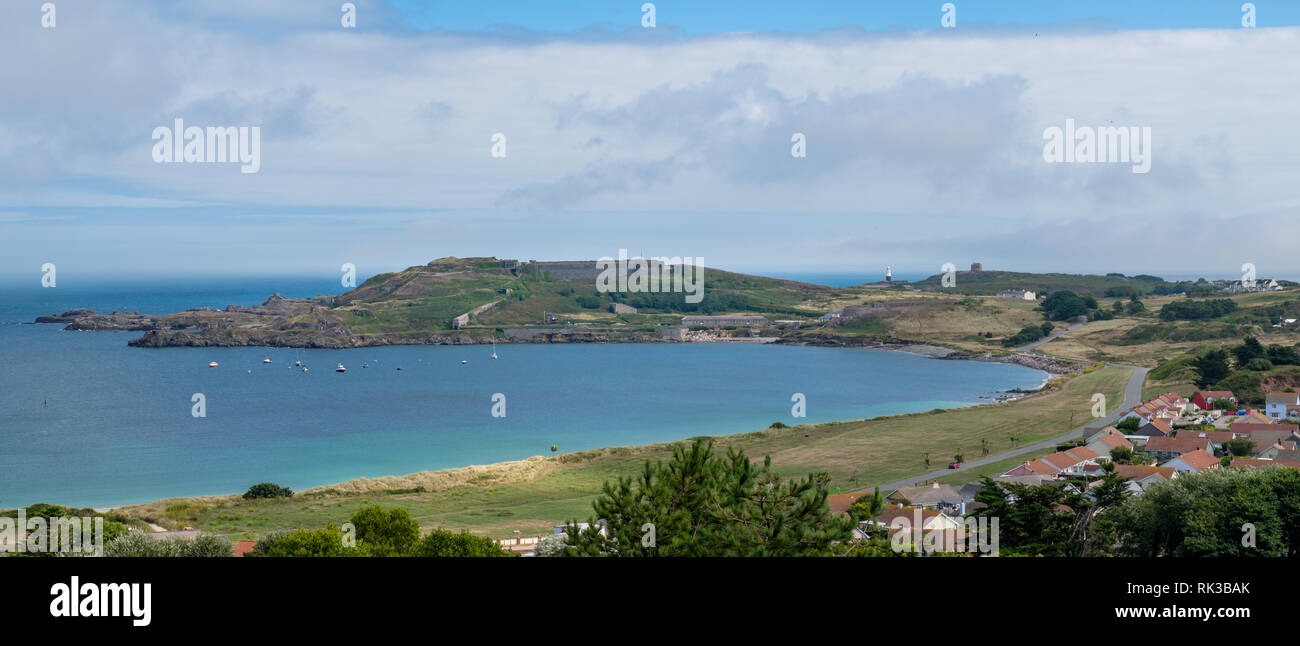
(954, 465)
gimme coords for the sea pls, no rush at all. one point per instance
(87, 421)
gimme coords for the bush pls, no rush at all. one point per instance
(553, 545)
(1259, 363)
(444, 543)
(306, 542)
(139, 545)
(267, 490)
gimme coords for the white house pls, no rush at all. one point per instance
(1018, 294)
(1276, 404)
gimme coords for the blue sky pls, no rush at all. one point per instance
(924, 144)
(700, 17)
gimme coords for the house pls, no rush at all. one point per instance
(1194, 462)
(1155, 428)
(828, 316)
(1277, 404)
(1257, 285)
(1018, 294)
(1256, 463)
(1145, 476)
(1108, 440)
(936, 496)
(930, 519)
(1168, 448)
(1073, 462)
(840, 502)
(460, 322)
(619, 308)
(1217, 438)
(1204, 399)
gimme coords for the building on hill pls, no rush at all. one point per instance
(1257, 285)
(1017, 294)
(724, 321)
(619, 308)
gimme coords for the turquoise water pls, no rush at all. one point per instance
(87, 421)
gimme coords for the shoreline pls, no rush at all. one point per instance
(540, 463)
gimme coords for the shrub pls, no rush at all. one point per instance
(206, 546)
(306, 542)
(1259, 363)
(443, 543)
(553, 545)
(139, 545)
(267, 490)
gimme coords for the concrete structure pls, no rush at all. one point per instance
(735, 320)
(619, 308)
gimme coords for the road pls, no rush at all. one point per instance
(1132, 397)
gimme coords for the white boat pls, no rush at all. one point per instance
(494, 349)
(212, 364)
(340, 368)
(463, 362)
(266, 360)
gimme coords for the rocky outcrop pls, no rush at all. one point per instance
(114, 321)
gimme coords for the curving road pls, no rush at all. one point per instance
(1132, 397)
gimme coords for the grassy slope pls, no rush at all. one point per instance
(855, 454)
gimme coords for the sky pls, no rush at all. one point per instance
(923, 144)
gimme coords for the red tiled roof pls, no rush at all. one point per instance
(840, 502)
(1138, 472)
(1179, 445)
(244, 547)
(1199, 459)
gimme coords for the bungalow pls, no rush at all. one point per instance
(1155, 428)
(1205, 399)
(1145, 476)
(1108, 440)
(1217, 438)
(936, 496)
(1256, 463)
(1018, 294)
(1194, 462)
(1064, 463)
(1276, 404)
(1168, 448)
(840, 502)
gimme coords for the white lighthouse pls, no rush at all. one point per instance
(889, 274)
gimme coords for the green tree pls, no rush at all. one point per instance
(1065, 305)
(1211, 367)
(386, 532)
(1250, 348)
(868, 508)
(267, 490)
(701, 504)
(1239, 446)
(1129, 425)
(1121, 455)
